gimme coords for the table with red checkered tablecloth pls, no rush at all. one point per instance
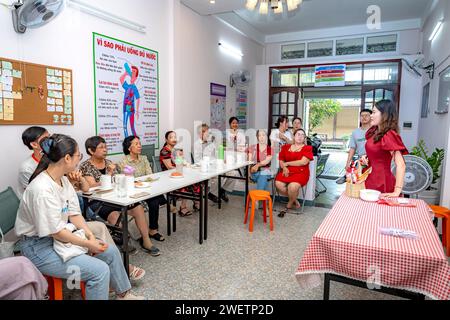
(348, 243)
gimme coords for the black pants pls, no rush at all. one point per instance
(153, 210)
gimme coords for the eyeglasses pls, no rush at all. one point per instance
(80, 155)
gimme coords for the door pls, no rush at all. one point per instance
(283, 102)
(372, 94)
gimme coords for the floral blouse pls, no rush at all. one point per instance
(89, 170)
(141, 166)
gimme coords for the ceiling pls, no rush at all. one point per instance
(315, 14)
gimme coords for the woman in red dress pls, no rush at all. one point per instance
(384, 144)
(294, 165)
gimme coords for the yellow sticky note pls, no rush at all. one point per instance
(67, 80)
(67, 93)
(17, 95)
(8, 109)
(59, 102)
(8, 103)
(8, 116)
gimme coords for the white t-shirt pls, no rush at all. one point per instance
(203, 149)
(275, 138)
(235, 140)
(46, 206)
(26, 170)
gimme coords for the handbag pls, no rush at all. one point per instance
(6, 248)
(68, 250)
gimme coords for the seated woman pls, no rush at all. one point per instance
(166, 159)
(261, 153)
(48, 205)
(294, 165)
(132, 149)
(92, 169)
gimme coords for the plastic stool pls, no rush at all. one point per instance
(444, 214)
(255, 196)
(55, 288)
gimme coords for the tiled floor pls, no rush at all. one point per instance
(333, 192)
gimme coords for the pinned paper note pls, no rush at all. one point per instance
(67, 80)
(7, 65)
(17, 74)
(58, 80)
(17, 95)
(7, 73)
(8, 103)
(67, 102)
(59, 109)
(7, 95)
(8, 116)
(50, 101)
(67, 74)
(50, 72)
(68, 110)
(67, 93)
(6, 80)
(67, 87)
(59, 102)
(50, 79)
(7, 87)
(58, 73)
(51, 108)
(8, 108)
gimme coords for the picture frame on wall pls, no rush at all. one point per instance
(444, 92)
(425, 100)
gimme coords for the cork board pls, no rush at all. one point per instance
(32, 94)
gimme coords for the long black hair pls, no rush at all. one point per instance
(54, 148)
(389, 119)
(280, 120)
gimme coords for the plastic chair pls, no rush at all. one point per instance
(55, 288)
(321, 163)
(148, 151)
(444, 214)
(156, 164)
(255, 196)
(9, 204)
(275, 193)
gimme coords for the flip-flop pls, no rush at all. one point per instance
(157, 236)
(283, 212)
(137, 273)
(184, 214)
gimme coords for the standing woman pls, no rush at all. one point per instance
(294, 165)
(384, 144)
(297, 123)
(48, 205)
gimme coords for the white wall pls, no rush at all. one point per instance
(435, 129)
(67, 42)
(199, 61)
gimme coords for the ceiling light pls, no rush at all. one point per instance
(212, 1)
(230, 50)
(276, 5)
(436, 30)
(99, 13)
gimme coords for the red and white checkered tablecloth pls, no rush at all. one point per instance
(348, 243)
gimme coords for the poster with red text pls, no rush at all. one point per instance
(126, 92)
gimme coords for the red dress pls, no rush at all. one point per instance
(380, 159)
(296, 174)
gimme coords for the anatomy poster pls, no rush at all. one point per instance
(126, 92)
(218, 101)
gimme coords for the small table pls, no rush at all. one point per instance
(348, 247)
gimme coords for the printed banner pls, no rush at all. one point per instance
(218, 102)
(241, 107)
(126, 92)
(330, 76)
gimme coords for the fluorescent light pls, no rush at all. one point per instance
(264, 7)
(280, 7)
(436, 30)
(251, 4)
(230, 50)
(212, 1)
(99, 13)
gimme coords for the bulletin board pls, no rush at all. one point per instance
(32, 94)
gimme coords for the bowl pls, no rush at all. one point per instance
(369, 195)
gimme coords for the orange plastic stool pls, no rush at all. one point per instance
(55, 288)
(444, 214)
(255, 196)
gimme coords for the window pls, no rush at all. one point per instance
(382, 44)
(425, 98)
(320, 49)
(381, 73)
(285, 77)
(349, 46)
(293, 51)
(444, 92)
(307, 76)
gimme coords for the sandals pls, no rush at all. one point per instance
(157, 236)
(184, 214)
(283, 212)
(153, 251)
(137, 273)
